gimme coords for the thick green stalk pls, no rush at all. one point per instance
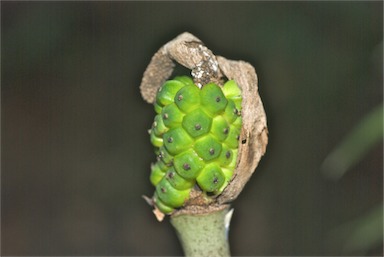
(203, 234)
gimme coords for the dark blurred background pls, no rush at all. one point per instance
(76, 153)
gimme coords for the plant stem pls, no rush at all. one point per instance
(203, 234)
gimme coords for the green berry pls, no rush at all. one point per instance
(233, 138)
(208, 147)
(177, 140)
(177, 181)
(171, 115)
(165, 156)
(158, 126)
(171, 196)
(213, 99)
(157, 108)
(231, 90)
(188, 164)
(164, 167)
(188, 98)
(167, 92)
(156, 174)
(155, 140)
(211, 178)
(226, 156)
(197, 123)
(220, 128)
(232, 164)
(162, 206)
(231, 112)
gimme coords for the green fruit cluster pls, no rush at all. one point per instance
(195, 134)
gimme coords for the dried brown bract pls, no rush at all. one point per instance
(189, 51)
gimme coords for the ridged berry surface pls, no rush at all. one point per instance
(195, 134)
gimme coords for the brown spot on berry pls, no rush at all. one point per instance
(163, 190)
(211, 151)
(165, 116)
(197, 126)
(236, 111)
(186, 166)
(170, 139)
(218, 99)
(171, 175)
(228, 154)
(180, 97)
(226, 130)
(238, 137)
(215, 180)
